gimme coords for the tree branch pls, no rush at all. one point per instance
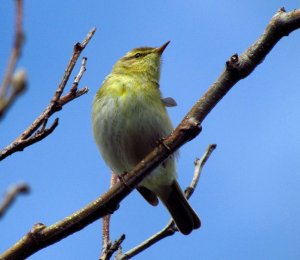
(7, 96)
(38, 130)
(112, 248)
(237, 68)
(170, 229)
(11, 195)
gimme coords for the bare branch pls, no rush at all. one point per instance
(167, 231)
(18, 86)
(112, 248)
(32, 135)
(171, 228)
(236, 69)
(8, 97)
(199, 164)
(11, 195)
(79, 76)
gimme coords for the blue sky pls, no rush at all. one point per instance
(248, 195)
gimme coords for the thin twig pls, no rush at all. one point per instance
(11, 195)
(199, 164)
(237, 68)
(32, 135)
(18, 86)
(79, 76)
(106, 242)
(16, 50)
(8, 97)
(112, 248)
(170, 229)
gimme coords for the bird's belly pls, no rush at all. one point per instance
(127, 132)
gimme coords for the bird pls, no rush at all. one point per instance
(129, 118)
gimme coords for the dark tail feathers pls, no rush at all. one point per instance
(182, 213)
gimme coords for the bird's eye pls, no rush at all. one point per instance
(137, 55)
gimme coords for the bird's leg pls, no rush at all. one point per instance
(161, 141)
(122, 179)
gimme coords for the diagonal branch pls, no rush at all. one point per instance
(237, 68)
(38, 129)
(170, 229)
(7, 95)
(11, 195)
(111, 248)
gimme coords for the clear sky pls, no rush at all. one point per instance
(248, 195)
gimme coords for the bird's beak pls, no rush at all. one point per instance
(161, 49)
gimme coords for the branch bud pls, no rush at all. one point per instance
(19, 81)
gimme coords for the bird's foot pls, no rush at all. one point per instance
(122, 179)
(161, 141)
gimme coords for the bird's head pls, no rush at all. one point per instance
(143, 60)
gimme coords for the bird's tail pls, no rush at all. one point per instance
(182, 213)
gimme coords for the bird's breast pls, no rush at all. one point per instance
(128, 124)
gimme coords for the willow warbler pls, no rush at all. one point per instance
(129, 118)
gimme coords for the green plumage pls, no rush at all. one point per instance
(129, 118)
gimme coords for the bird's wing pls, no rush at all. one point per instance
(169, 102)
